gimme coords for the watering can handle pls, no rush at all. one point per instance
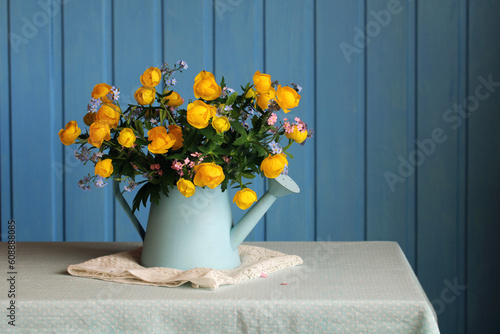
(128, 210)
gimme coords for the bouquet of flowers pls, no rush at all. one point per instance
(221, 138)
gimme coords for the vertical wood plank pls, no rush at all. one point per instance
(190, 39)
(483, 177)
(239, 52)
(440, 86)
(87, 62)
(390, 123)
(5, 135)
(131, 38)
(36, 97)
(289, 58)
(340, 165)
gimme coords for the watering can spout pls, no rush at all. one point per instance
(278, 187)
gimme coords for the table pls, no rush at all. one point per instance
(342, 287)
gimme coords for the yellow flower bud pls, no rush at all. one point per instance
(99, 131)
(287, 98)
(70, 132)
(251, 94)
(206, 87)
(104, 168)
(126, 137)
(101, 91)
(151, 77)
(89, 118)
(199, 114)
(221, 124)
(208, 174)
(109, 114)
(145, 95)
(161, 141)
(298, 136)
(262, 82)
(273, 165)
(186, 187)
(176, 131)
(174, 100)
(245, 198)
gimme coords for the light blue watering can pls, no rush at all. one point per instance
(198, 231)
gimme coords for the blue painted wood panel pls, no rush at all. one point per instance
(289, 58)
(440, 195)
(483, 167)
(379, 78)
(5, 133)
(390, 122)
(36, 90)
(87, 61)
(340, 122)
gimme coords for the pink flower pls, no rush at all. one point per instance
(272, 119)
(176, 165)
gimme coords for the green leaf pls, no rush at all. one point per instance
(240, 141)
(231, 98)
(141, 142)
(238, 128)
(139, 127)
(248, 176)
(261, 150)
(208, 132)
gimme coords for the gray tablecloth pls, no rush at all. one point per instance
(342, 287)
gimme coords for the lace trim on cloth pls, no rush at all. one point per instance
(124, 267)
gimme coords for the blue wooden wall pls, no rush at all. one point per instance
(404, 97)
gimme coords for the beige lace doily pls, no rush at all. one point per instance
(124, 267)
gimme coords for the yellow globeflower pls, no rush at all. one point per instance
(199, 114)
(109, 114)
(126, 137)
(206, 87)
(161, 141)
(151, 77)
(70, 132)
(264, 98)
(99, 131)
(221, 124)
(245, 198)
(186, 187)
(174, 100)
(262, 82)
(273, 165)
(287, 98)
(104, 168)
(101, 91)
(208, 174)
(145, 95)
(298, 136)
(176, 131)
